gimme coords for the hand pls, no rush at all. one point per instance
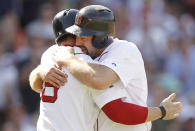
(61, 54)
(53, 75)
(172, 108)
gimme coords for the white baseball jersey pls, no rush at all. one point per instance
(125, 59)
(69, 108)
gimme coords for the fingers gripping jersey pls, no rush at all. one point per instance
(125, 59)
(70, 108)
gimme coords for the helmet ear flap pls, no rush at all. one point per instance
(101, 41)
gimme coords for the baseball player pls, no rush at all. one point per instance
(121, 69)
(67, 108)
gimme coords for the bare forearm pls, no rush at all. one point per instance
(154, 113)
(35, 80)
(81, 70)
(93, 75)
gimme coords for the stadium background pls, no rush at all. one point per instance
(164, 31)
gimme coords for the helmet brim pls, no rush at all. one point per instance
(79, 31)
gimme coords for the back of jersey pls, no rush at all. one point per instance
(69, 108)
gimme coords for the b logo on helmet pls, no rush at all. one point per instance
(78, 19)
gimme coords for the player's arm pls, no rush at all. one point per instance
(48, 74)
(93, 75)
(35, 80)
(131, 114)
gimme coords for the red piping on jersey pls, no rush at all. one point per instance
(97, 124)
(79, 53)
(69, 45)
(102, 55)
(125, 113)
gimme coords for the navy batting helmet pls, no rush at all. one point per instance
(61, 21)
(97, 21)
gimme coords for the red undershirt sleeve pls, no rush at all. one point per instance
(125, 113)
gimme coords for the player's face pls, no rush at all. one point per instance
(85, 43)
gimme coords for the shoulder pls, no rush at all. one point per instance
(49, 50)
(123, 47)
(124, 44)
(53, 47)
(46, 55)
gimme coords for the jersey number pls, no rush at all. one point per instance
(50, 99)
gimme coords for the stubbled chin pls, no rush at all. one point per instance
(84, 50)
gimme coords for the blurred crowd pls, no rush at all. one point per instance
(163, 30)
